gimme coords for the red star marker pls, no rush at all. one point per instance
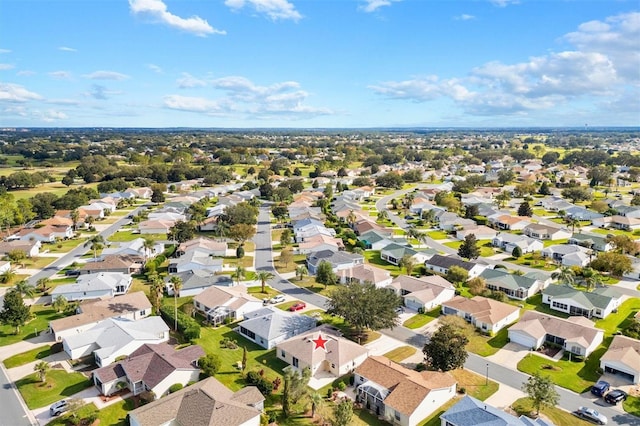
(320, 342)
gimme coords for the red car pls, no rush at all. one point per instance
(298, 306)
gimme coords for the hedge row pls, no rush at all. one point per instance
(189, 327)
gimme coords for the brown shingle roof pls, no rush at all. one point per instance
(575, 329)
(484, 309)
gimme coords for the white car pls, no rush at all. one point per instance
(592, 415)
(59, 407)
(277, 299)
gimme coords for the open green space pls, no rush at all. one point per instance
(632, 405)
(42, 315)
(483, 345)
(574, 375)
(401, 353)
(125, 236)
(486, 249)
(59, 384)
(373, 257)
(533, 260)
(420, 320)
(28, 356)
(523, 406)
(621, 319)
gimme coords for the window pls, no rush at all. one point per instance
(396, 414)
(283, 354)
(143, 312)
(294, 362)
(558, 305)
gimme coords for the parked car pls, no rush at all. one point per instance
(277, 299)
(615, 396)
(59, 407)
(600, 388)
(591, 415)
(72, 273)
(298, 306)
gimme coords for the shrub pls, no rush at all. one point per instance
(175, 387)
(462, 390)
(263, 385)
(209, 364)
(240, 252)
(192, 332)
(185, 322)
(342, 386)
(421, 366)
(329, 392)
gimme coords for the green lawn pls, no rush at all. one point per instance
(256, 291)
(548, 243)
(125, 236)
(420, 320)
(244, 261)
(574, 375)
(38, 262)
(59, 384)
(63, 246)
(523, 406)
(611, 231)
(532, 261)
(40, 322)
(373, 257)
(258, 358)
(632, 405)
(438, 235)
(27, 357)
(113, 415)
(487, 345)
(621, 319)
(286, 305)
(485, 247)
(401, 353)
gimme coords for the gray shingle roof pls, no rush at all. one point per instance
(472, 412)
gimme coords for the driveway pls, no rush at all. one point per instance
(509, 355)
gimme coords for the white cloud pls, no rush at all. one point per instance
(504, 3)
(60, 75)
(157, 10)
(243, 97)
(464, 17)
(67, 49)
(16, 93)
(4, 67)
(106, 75)
(373, 5)
(100, 92)
(155, 68)
(187, 81)
(53, 115)
(26, 73)
(274, 9)
(5, 51)
(603, 67)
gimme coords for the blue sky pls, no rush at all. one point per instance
(319, 63)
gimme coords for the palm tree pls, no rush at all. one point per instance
(383, 215)
(408, 263)
(565, 275)
(25, 289)
(417, 235)
(147, 246)
(7, 276)
(75, 217)
(573, 222)
(239, 274)
(176, 281)
(263, 277)
(154, 293)
(351, 218)
(316, 402)
(96, 243)
(42, 284)
(592, 279)
(301, 271)
(42, 368)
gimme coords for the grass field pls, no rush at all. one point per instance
(487, 345)
(632, 405)
(59, 384)
(401, 353)
(42, 315)
(27, 357)
(574, 375)
(523, 406)
(420, 320)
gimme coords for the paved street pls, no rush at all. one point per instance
(12, 408)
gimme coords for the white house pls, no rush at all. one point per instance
(508, 242)
(94, 286)
(365, 273)
(115, 337)
(442, 264)
(468, 410)
(488, 315)
(577, 335)
(195, 259)
(401, 396)
(623, 358)
(196, 281)
(267, 327)
(219, 304)
(599, 303)
(424, 293)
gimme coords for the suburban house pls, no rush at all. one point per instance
(518, 287)
(591, 241)
(507, 222)
(269, 326)
(46, 234)
(450, 222)
(131, 306)
(196, 281)
(204, 245)
(377, 240)
(481, 232)
(441, 265)
(220, 304)
(126, 264)
(318, 243)
(363, 226)
(94, 286)
(599, 303)
(581, 213)
(393, 253)
(30, 248)
(338, 260)
(488, 315)
(568, 255)
(623, 358)
(577, 335)
(152, 368)
(546, 232)
(424, 293)
(115, 337)
(508, 242)
(401, 396)
(473, 412)
(365, 273)
(624, 223)
(134, 248)
(195, 259)
(155, 226)
(209, 401)
(323, 351)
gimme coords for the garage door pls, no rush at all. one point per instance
(521, 339)
(624, 374)
(412, 304)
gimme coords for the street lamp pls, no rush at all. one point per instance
(487, 376)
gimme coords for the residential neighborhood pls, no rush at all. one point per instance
(404, 293)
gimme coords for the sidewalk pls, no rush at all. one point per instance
(25, 345)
